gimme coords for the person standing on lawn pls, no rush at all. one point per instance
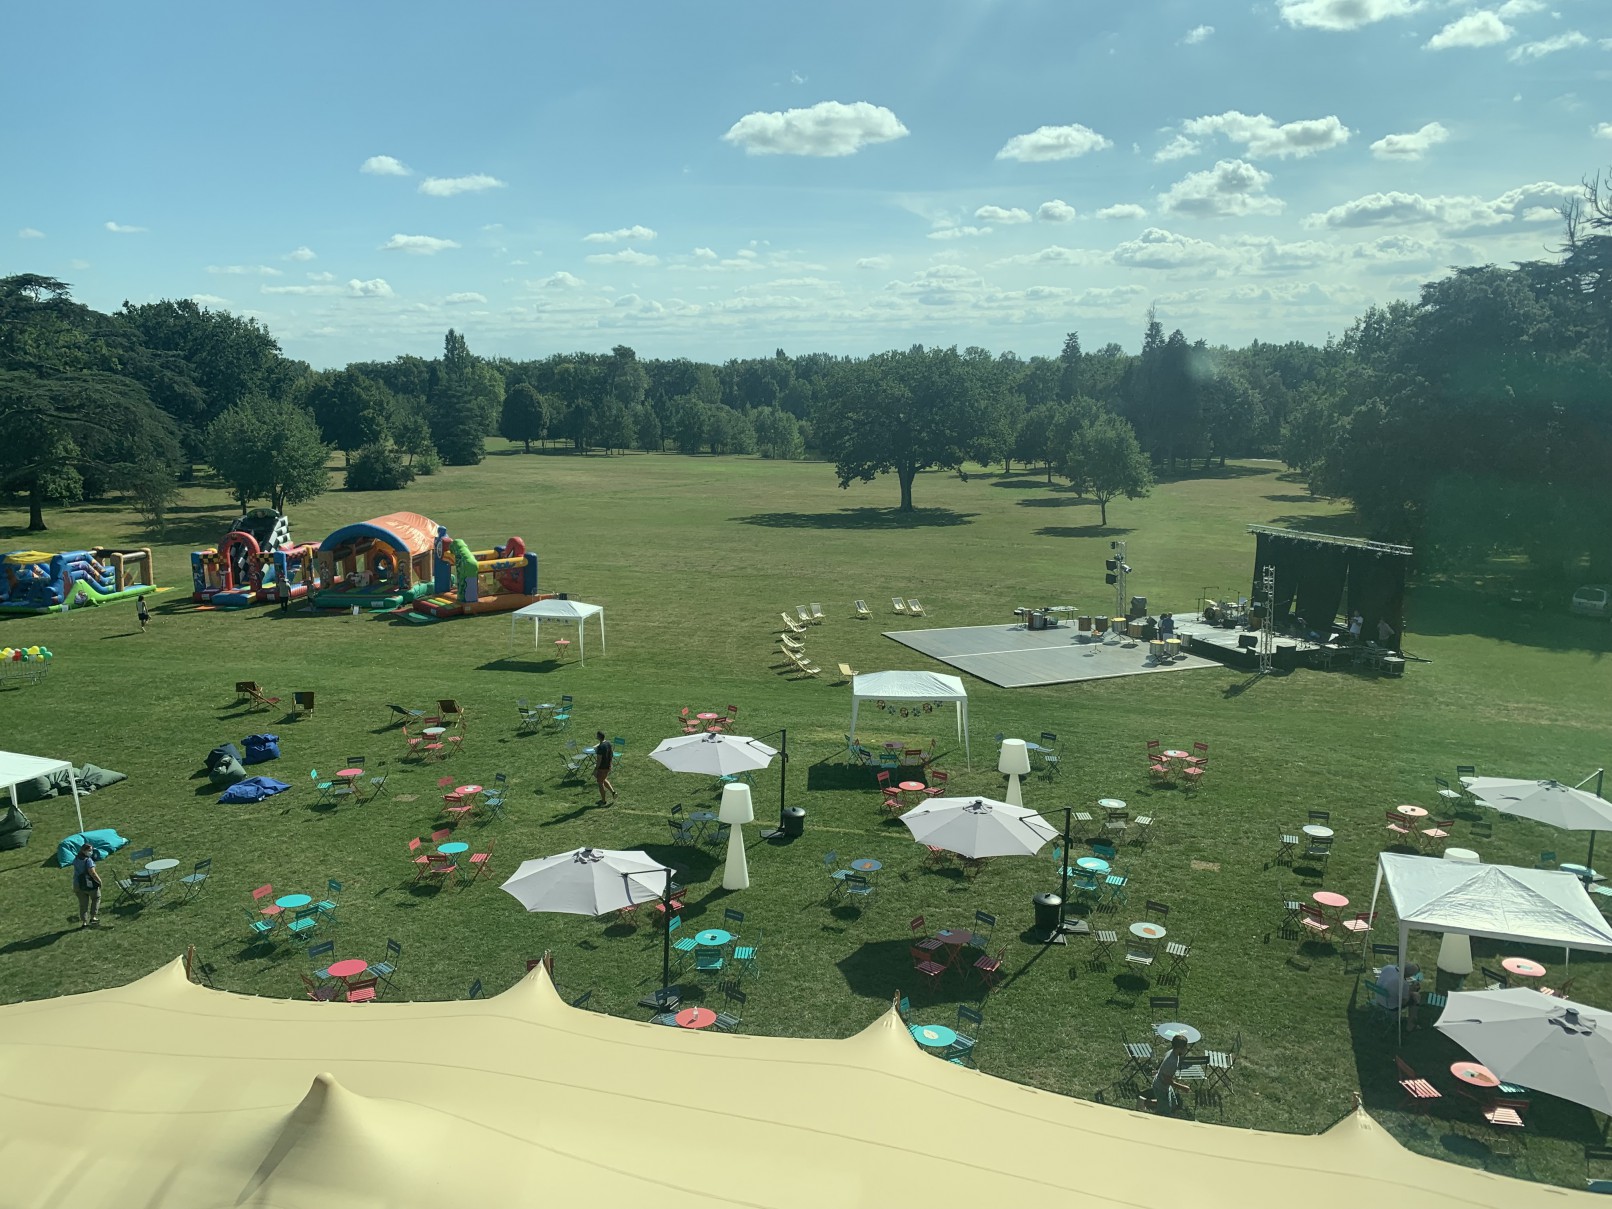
(87, 885)
(604, 757)
(143, 613)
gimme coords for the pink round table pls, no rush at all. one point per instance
(1412, 812)
(350, 967)
(350, 774)
(706, 718)
(695, 1017)
(1474, 1073)
(911, 786)
(954, 938)
(1522, 967)
(1330, 898)
(1175, 754)
(468, 790)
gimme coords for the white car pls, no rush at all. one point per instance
(1593, 600)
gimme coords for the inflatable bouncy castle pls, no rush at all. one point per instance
(469, 581)
(32, 581)
(256, 558)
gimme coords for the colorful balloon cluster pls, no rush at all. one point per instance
(17, 654)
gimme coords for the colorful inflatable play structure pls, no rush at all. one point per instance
(408, 563)
(32, 581)
(255, 558)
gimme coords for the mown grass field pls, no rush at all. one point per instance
(693, 559)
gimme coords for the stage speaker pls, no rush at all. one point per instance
(1248, 641)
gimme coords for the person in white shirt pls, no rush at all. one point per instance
(1403, 989)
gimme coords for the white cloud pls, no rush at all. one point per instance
(244, 270)
(1053, 143)
(1410, 146)
(1604, 130)
(875, 262)
(1549, 46)
(417, 245)
(468, 296)
(376, 287)
(1231, 188)
(1005, 216)
(1055, 210)
(1264, 254)
(30, 233)
(303, 253)
(704, 254)
(626, 256)
(1539, 202)
(385, 165)
(636, 233)
(78, 264)
(1108, 295)
(1521, 8)
(321, 290)
(1259, 135)
(1341, 15)
(1391, 253)
(1054, 254)
(1122, 210)
(452, 186)
(212, 300)
(1481, 28)
(828, 128)
(321, 277)
(1200, 33)
(561, 281)
(959, 232)
(119, 229)
(1155, 248)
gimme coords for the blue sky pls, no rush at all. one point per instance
(719, 180)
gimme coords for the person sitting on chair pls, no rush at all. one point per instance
(1403, 990)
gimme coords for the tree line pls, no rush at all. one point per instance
(1472, 422)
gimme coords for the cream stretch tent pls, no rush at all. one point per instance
(908, 688)
(560, 610)
(16, 768)
(168, 1095)
(1504, 902)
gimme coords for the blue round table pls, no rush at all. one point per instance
(1111, 803)
(713, 938)
(934, 1036)
(453, 848)
(292, 902)
(1092, 864)
(1584, 872)
(702, 816)
(867, 864)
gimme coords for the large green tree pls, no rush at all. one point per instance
(899, 413)
(269, 449)
(525, 416)
(1103, 457)
(351, 409)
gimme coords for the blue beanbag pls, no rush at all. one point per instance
(106, 841)
(253, 789)
(260, 748)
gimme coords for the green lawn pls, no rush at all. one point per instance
(693, 559)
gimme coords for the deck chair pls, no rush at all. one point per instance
(807, 666)
(899, 605)
(862, 610)
(304, 704)
(791, 644)
(249, 691)
(916, 609)
(452, 714)
(804, 614)
(817, 613)
(847, 671)
(404, 715)
(791, 625)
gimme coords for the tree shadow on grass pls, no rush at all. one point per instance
(1445, 610)
(1097, 530)
(1024, 482)
(860, 518)
(523, 665)
(1057, 501)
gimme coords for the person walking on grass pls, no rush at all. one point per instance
(604, 756)
(143, 613)
(87, 885)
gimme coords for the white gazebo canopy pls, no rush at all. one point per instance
(16, 768)
(1504, 902)
(905, 688)
(561, 610)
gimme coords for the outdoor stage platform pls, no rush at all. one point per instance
(1012, 656)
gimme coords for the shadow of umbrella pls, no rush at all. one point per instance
(880, 967)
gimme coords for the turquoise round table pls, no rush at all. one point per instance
(934, 1036)
(453, 849)
(713, 938)
(292, 902)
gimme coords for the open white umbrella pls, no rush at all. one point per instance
(1566, 806)
(588, 881)
(1552, 1045)
(979, 827)
(714, 755)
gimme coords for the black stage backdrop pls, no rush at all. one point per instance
(1312, 574)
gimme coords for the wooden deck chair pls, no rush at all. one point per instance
(899, 605)
(817, 613)
(847, 671)
(916, 609)
(451, 712)
(791, 625)
(862, 610)
(804, 614)
(792, 644)
(304, 703)
(249, 691)
(807, 666)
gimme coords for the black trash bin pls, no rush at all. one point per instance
(794, 822)
(1048, 912)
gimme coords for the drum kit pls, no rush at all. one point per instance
(1228, 615)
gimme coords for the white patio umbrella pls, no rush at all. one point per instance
(715, 755)
(979, 827)
(1548, 1044)
(1566, 806)
(588, 881)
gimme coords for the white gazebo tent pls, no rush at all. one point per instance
(16, 768)
(1504, 902)
(907, 688)
(561, 610)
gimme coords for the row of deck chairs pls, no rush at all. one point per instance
(251, 694)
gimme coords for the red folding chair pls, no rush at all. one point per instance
(481, 863)
(261, 893)
(923, 963)
(937, 783)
